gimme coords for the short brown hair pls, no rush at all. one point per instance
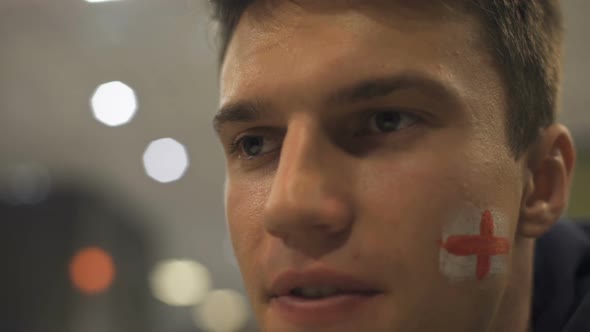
(525, 37)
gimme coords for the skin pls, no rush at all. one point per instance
(331, 188)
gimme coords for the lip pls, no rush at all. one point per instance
(355, 295)
(319, 277)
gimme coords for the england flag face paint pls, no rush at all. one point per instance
(475, 246)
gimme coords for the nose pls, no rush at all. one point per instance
(308, 203)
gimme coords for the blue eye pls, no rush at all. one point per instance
(251, 146)
(384, 121)
(388, 121)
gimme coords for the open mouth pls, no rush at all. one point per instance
(322, 305)
(319, 284)
(311, 293)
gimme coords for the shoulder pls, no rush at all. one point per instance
(561, 300)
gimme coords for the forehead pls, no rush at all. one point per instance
(283, 47)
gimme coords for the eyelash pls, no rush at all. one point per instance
(235, 145)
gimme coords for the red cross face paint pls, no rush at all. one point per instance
(475, 246)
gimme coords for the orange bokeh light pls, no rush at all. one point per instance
(92, 270)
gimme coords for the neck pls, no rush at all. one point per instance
(514, 312)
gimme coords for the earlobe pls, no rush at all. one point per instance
(549, 174)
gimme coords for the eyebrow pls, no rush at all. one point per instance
(365, 90)
(241, 111)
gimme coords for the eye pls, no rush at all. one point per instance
(388, 121)
(251, 146)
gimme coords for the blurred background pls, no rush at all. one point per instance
(111, 198)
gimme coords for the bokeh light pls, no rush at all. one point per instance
(114, 103)
(223, 310)
(165, 160)
(26, 184)
(92, 270)
(180, 282)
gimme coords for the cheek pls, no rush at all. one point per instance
(448, 171)
(406, 211)
(411, 203)
(406, 207)
(412, 189)
(412, 200)
(244, 204)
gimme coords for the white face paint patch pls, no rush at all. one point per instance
(475, 245)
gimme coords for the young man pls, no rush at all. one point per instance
(392, 165)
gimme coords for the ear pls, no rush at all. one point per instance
(548, 177)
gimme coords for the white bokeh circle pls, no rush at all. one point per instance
(114, 103)
(222, 310)
(180, 282)
(165, 160)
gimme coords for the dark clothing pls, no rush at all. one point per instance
(561, 299)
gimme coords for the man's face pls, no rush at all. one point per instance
(368, 134)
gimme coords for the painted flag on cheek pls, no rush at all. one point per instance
(471, 249)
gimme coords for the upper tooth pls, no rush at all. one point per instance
(317, 292)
